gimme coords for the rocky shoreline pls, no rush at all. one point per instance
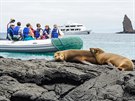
(41, 80)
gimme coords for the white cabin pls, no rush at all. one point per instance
(74, 28)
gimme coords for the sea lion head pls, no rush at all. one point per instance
(96, 51)
(59, 56)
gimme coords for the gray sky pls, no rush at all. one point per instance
(98, 15)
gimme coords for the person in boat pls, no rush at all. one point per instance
(56, 33)
(10, 31)
(46, 32)
(17, 32)
(39, 32)
(27, 33)
(11, 21)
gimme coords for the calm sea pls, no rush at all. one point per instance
(123, 44)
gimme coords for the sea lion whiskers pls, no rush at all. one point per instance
(58, 56)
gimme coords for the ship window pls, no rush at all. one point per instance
(67, 26)
(72, 29)
(72, 26)
(76, 29)
(67, 29)
(62, 29)
(79, 25)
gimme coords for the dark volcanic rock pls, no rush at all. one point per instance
(41, 80)
(1, 57)
(127, 25)
(97, 89)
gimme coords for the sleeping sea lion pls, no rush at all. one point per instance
(122, 63)
(81, 56)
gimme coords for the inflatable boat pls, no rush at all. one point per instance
(42, 46)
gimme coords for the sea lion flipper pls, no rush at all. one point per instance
(110, 64)
(87, 63)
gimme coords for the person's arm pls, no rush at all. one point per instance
(20, 32)
(31, 33)
(49, 34)
(8, 25)
(41, 32)
(8, 35)
(61, 34)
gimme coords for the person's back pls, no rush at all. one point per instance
(55, 32)
(16, 30)
(26, 33)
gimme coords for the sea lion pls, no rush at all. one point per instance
(81, 56)
(122, 63)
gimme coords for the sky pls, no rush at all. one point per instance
(101, 16)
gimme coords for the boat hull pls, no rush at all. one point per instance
(86, 32)
(37, 49)
(27, 46)
(40, 46)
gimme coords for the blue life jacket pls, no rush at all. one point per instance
(16, 30)
(46, 31)
(10, 31)
(26, 32)
(55, 33)
(37, 33)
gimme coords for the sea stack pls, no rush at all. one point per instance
(127, 25)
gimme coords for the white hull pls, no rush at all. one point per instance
(86, 32)
(27, 46)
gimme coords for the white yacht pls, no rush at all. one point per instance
(74, 28)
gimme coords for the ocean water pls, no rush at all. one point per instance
(123, 44)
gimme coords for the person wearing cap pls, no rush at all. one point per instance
(10, 31)
(46, 32)
(18, 32)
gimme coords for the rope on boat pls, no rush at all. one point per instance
(67, 43)
(52, 40)
(62, 44)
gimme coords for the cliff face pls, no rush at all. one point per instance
(40, 80)
(127, 25)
